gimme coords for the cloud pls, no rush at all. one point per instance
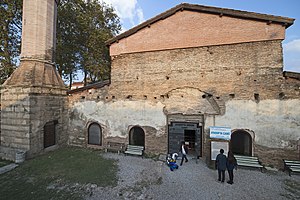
(140, 15)
(292, 46)
(291, 53)
(127, 10)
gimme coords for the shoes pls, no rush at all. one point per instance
(222, 181)
(219, 179)
(186, 161)
(229, 182)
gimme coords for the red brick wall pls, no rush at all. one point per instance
(192, 29)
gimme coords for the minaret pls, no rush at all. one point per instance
(33, 99)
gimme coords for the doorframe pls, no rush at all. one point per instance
(198, 127)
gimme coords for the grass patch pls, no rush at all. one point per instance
(4, 162)
(62, 174)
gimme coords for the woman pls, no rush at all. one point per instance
(231, 164)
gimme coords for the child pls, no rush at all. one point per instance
(171, 161)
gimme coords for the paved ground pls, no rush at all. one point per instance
(147, 179)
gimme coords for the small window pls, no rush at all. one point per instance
(95, 134)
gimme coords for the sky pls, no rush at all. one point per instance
(134, 12)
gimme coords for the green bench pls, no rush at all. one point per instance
(115, 146)
(248, 161)
(291, 166)
(134, 150)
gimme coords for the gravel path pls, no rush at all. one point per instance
(148, 179)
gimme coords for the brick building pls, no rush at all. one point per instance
(173, 78)
(190, 68)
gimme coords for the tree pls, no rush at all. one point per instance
(83, 28)
(10, 36)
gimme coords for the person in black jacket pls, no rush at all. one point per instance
(231, 164)
(184, 151)
(221, 162)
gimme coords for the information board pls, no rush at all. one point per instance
(215, 148)
(220, 132)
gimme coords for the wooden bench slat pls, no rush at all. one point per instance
(248, 161)
(291, 165)
(292, 161)
(250, 165)
(115, 146)
(295, 168)
(134, 150)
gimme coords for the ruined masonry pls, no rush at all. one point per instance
(33, 99)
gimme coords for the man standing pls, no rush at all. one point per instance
(184, 151)
(221, 161)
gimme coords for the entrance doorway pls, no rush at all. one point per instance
(190, 133)
(241, 143)
(137, 136)
(190, 140)
(49, 134)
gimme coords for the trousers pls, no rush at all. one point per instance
(183, 158)
(221, 174)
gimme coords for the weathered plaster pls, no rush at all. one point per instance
(276, 123)
(118, 116)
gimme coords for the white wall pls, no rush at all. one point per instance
(119, 115)
(274, 122)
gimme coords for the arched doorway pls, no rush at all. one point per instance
(94, 134)
(241, 143)
(137, 136)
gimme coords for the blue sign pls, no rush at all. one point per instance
(220, 132)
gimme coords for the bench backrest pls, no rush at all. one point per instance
(251, 159)
(291, 162)
(134, 147)
(115, 144)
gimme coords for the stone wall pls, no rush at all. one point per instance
(24, 113)
(228, 71)
(240, 85)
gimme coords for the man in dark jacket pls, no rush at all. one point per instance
(221, 161)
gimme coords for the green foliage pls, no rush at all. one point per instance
(62, 174)
(83, 27)
(10, 36)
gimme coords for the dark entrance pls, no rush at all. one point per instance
(137, 136)
(49, 134)
(190, 139)
(241, 143)
(95, 134)
(190, 133)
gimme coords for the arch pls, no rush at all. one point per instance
(95, 134)
(241, 143)
(137, 136)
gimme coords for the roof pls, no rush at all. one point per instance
(285, 21)
(294, 75)
(91, 86)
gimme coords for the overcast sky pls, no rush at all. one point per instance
(133, 12)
